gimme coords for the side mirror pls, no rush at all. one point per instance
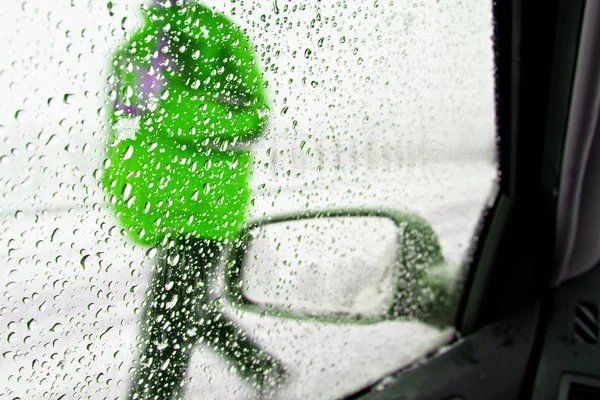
(357, 266)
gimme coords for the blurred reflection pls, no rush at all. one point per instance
(188, 97)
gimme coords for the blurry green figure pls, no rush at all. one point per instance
(187, 95)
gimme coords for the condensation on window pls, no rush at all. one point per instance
(236, 199)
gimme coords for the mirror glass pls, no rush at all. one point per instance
(323, 266)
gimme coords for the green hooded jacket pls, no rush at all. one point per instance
(187, 96)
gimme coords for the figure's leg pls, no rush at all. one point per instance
(178, 312)
(252, 363)
(168, 327)
(227, 339)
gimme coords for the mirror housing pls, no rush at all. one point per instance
(408, 279)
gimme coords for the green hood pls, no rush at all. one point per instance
(185, 88)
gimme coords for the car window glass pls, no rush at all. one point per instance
(235, 199)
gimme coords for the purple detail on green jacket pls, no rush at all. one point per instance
(146, 83)
(128, 110)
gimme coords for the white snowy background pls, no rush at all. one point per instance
(374, 104)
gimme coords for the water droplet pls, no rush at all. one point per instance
(263, 111)
(128, 153)
(67, 97)
(126, 192)
(307, 53)
(173, 259)
(128, 92)
(31, 324)
(151, 252)
(206, 188)
(53, 235)
(233, 164)
(170, 304)
(84, 260)
(106, 331)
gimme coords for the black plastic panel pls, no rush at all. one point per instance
(489, 365)
(570, 346)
